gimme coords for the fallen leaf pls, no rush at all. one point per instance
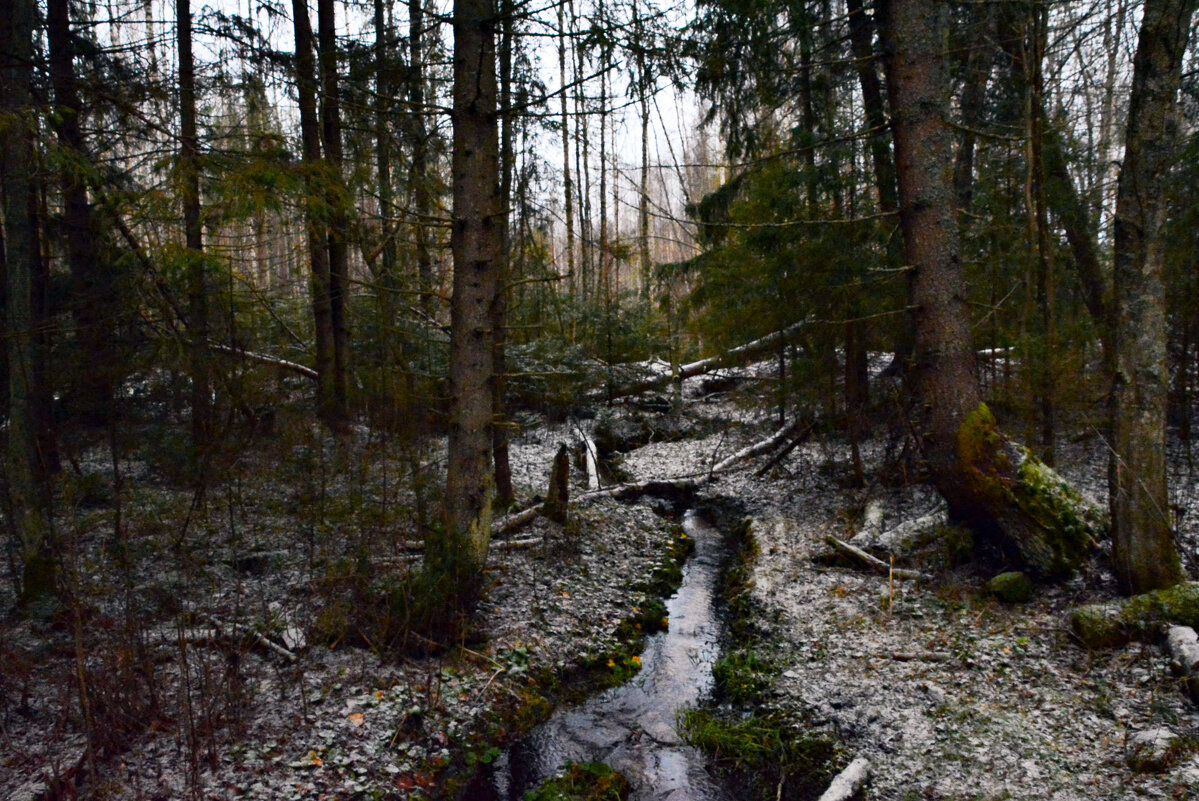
(357, 719)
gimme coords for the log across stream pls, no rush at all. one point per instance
(631, 728)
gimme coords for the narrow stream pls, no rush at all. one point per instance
(631, 728)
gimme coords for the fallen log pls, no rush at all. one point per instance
(738, 355)
(849, 781)
(263, 358)
(763, 446)
(1183, 644)
(873, 562)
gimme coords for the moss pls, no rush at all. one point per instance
(1103, 626)
(1012, 587)
(588, 781)
(981, 457)
(759, 756)
(1048, 524)
(1098, 626)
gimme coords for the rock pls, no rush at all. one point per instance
(1153, 750)
(1183, 644)
(1012, 587)
(1098, 626)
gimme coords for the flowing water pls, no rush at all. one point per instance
(631, 728)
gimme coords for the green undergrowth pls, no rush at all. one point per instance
(588, 781)
(759, 753)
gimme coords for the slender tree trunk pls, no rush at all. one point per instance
(499, 309)
(1143, 548)
(386, 276)
(92, 306)
(567, 185)
(339, 200)
(25, 468)
(475, 242)
(197, 282)
(644, 90)
(318, 238)
(419, 188)
(973, 102)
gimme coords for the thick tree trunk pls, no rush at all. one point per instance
(339, 218)
(1142, 542)
(25, 466)
(318, 250)
(987, 483)
(475, 242)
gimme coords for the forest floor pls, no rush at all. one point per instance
(228, 645)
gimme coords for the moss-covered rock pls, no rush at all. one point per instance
(1012, 587)
(1113, 625)
(1098, 626)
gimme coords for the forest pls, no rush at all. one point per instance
(599, 399)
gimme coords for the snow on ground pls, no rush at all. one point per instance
(947, 692)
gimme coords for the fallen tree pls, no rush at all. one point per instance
(742, 354)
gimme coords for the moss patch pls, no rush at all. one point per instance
(1049, 525)
(1102, 626)
(588, 781)
(1012, 587)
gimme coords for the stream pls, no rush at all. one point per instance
(631, 728)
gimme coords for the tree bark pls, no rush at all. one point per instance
(197, 289)
(314, 175)
(92, 299)
(1143, 548)
(504, 493)
(987, 482)
(339, 220)
(475, 243)
(26, 468)
(419, 189)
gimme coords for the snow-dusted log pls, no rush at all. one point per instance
(738, 355)
(1184, 657)
(874, 562)
(902, 538)
(848, 781)
(591, 459)
(263, 358)
(768, 444)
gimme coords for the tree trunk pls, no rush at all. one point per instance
(92, 302)
(567, 185)
(988, 483)
(499, 309)
(339, 200)
(315, 187)
(197, 289)
(460, 554)
(25, 467)
(386, 275)
(419, 189)
(1142, 541)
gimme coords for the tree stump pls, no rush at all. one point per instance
(557, 497)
